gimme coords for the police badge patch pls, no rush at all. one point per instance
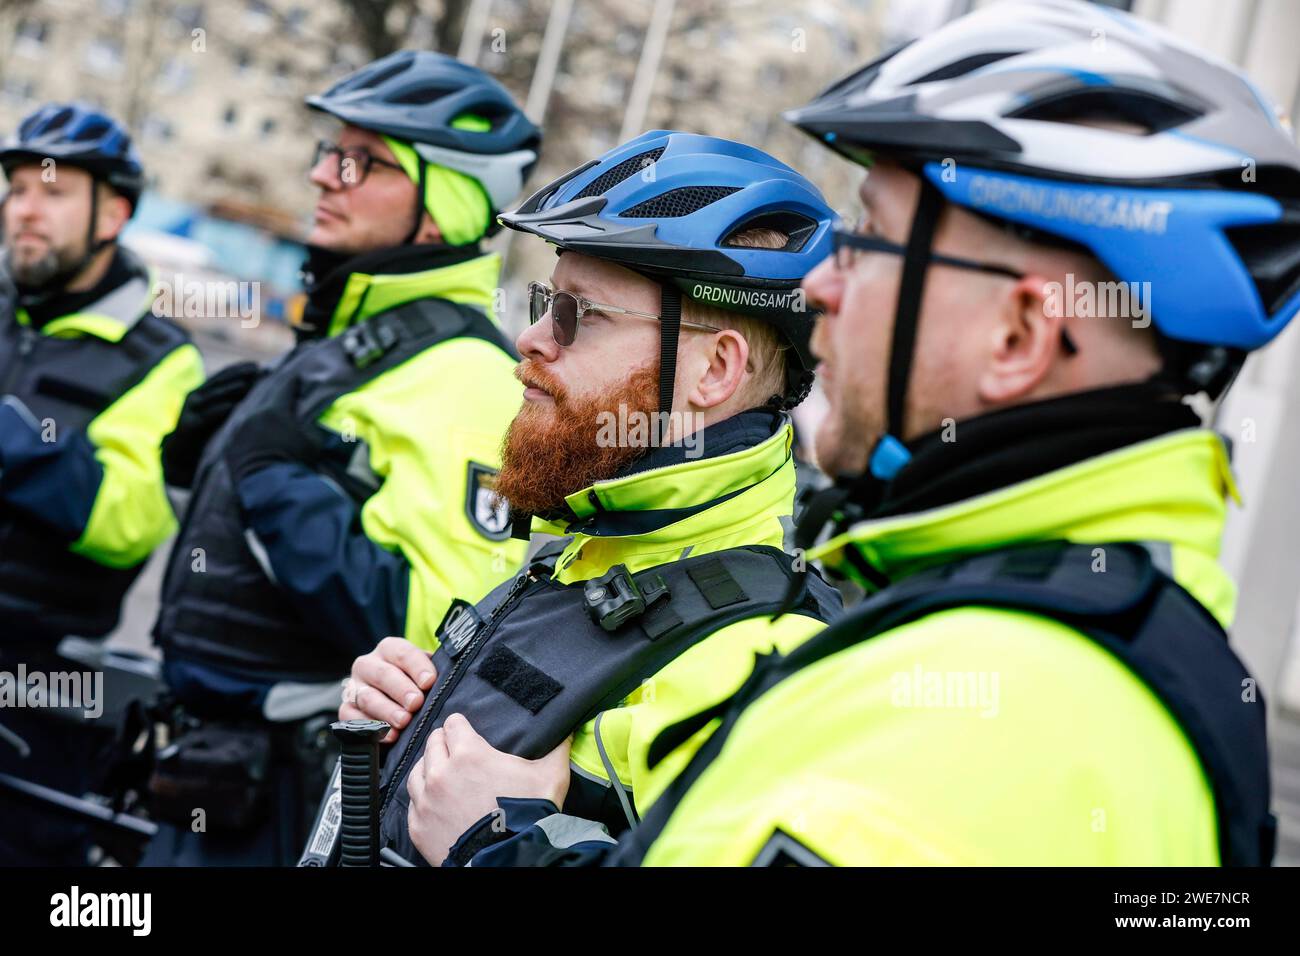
(489, 515)
(458, 627)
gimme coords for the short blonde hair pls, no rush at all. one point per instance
(766, 348)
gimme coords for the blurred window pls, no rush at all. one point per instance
(188, 16)
(157, 128)
(30, 37)
(104, 56)
(258, 16)
(175, 76)
(18, 91)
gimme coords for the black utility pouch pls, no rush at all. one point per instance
(221, 770)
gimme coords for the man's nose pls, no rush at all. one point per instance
(537, 341)
(824, 286)
(325, 173)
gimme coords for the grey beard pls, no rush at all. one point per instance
(38, 274)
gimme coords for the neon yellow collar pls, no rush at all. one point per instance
(471, 282)
(1169, 489)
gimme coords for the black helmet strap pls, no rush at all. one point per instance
(93, 246)
(419, 200)
(907, 313)
(670, 327)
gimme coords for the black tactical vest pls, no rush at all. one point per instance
(535, 660)
(44, 587)
(1132, 609)
(231, 615)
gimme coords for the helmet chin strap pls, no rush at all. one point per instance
(61, 278)
(890, 454)
(419, 204)
(670, 327)
(852, 497)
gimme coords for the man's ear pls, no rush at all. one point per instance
(114, 211)
(1026, 342)
(717, 363)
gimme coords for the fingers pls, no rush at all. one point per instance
(435, 753)
(415, 785)
(397, 689)
(460, 735)
(560, 755)
(414, 662)
(375, 704)
(553, 775)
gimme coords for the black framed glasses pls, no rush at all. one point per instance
(568, 308)
(847, 243)
(352, 165)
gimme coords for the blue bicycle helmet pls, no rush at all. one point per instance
(667, 204)
(1075, 123)
(80, 136)
(415, 95)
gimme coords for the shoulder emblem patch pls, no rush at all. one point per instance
(489, 515)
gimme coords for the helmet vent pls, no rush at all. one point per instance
(1271, 253)
(375, 79)
(57, 122)
(963, 66)
(611, 178)
(678, 202)
(1148, 112)
(91, 132)
(421, 95)
(796, 228)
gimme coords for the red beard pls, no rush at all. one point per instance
(551, 451)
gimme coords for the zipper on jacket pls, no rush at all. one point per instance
(459, 665)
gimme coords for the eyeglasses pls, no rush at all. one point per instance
(352, 166)
(847, 243)
(567, 310)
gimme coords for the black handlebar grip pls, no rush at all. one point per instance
(359, 788)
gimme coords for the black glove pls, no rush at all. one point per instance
(204, 411)
(274, 431)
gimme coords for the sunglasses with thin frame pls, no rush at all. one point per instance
(568, 308)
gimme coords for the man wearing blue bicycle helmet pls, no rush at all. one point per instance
(343, 495)
(91, 379)
(663, 353)
(1039, 674)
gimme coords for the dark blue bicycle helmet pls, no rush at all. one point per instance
(667, 205)
(79, 136)
(416, 95)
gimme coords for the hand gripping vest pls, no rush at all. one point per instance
(232, 616)
(1133, 610)
(535, 659)
(70, 381)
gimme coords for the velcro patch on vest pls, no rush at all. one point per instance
(458, 627)
(526, 685)
(717, 585)
(487, 513)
